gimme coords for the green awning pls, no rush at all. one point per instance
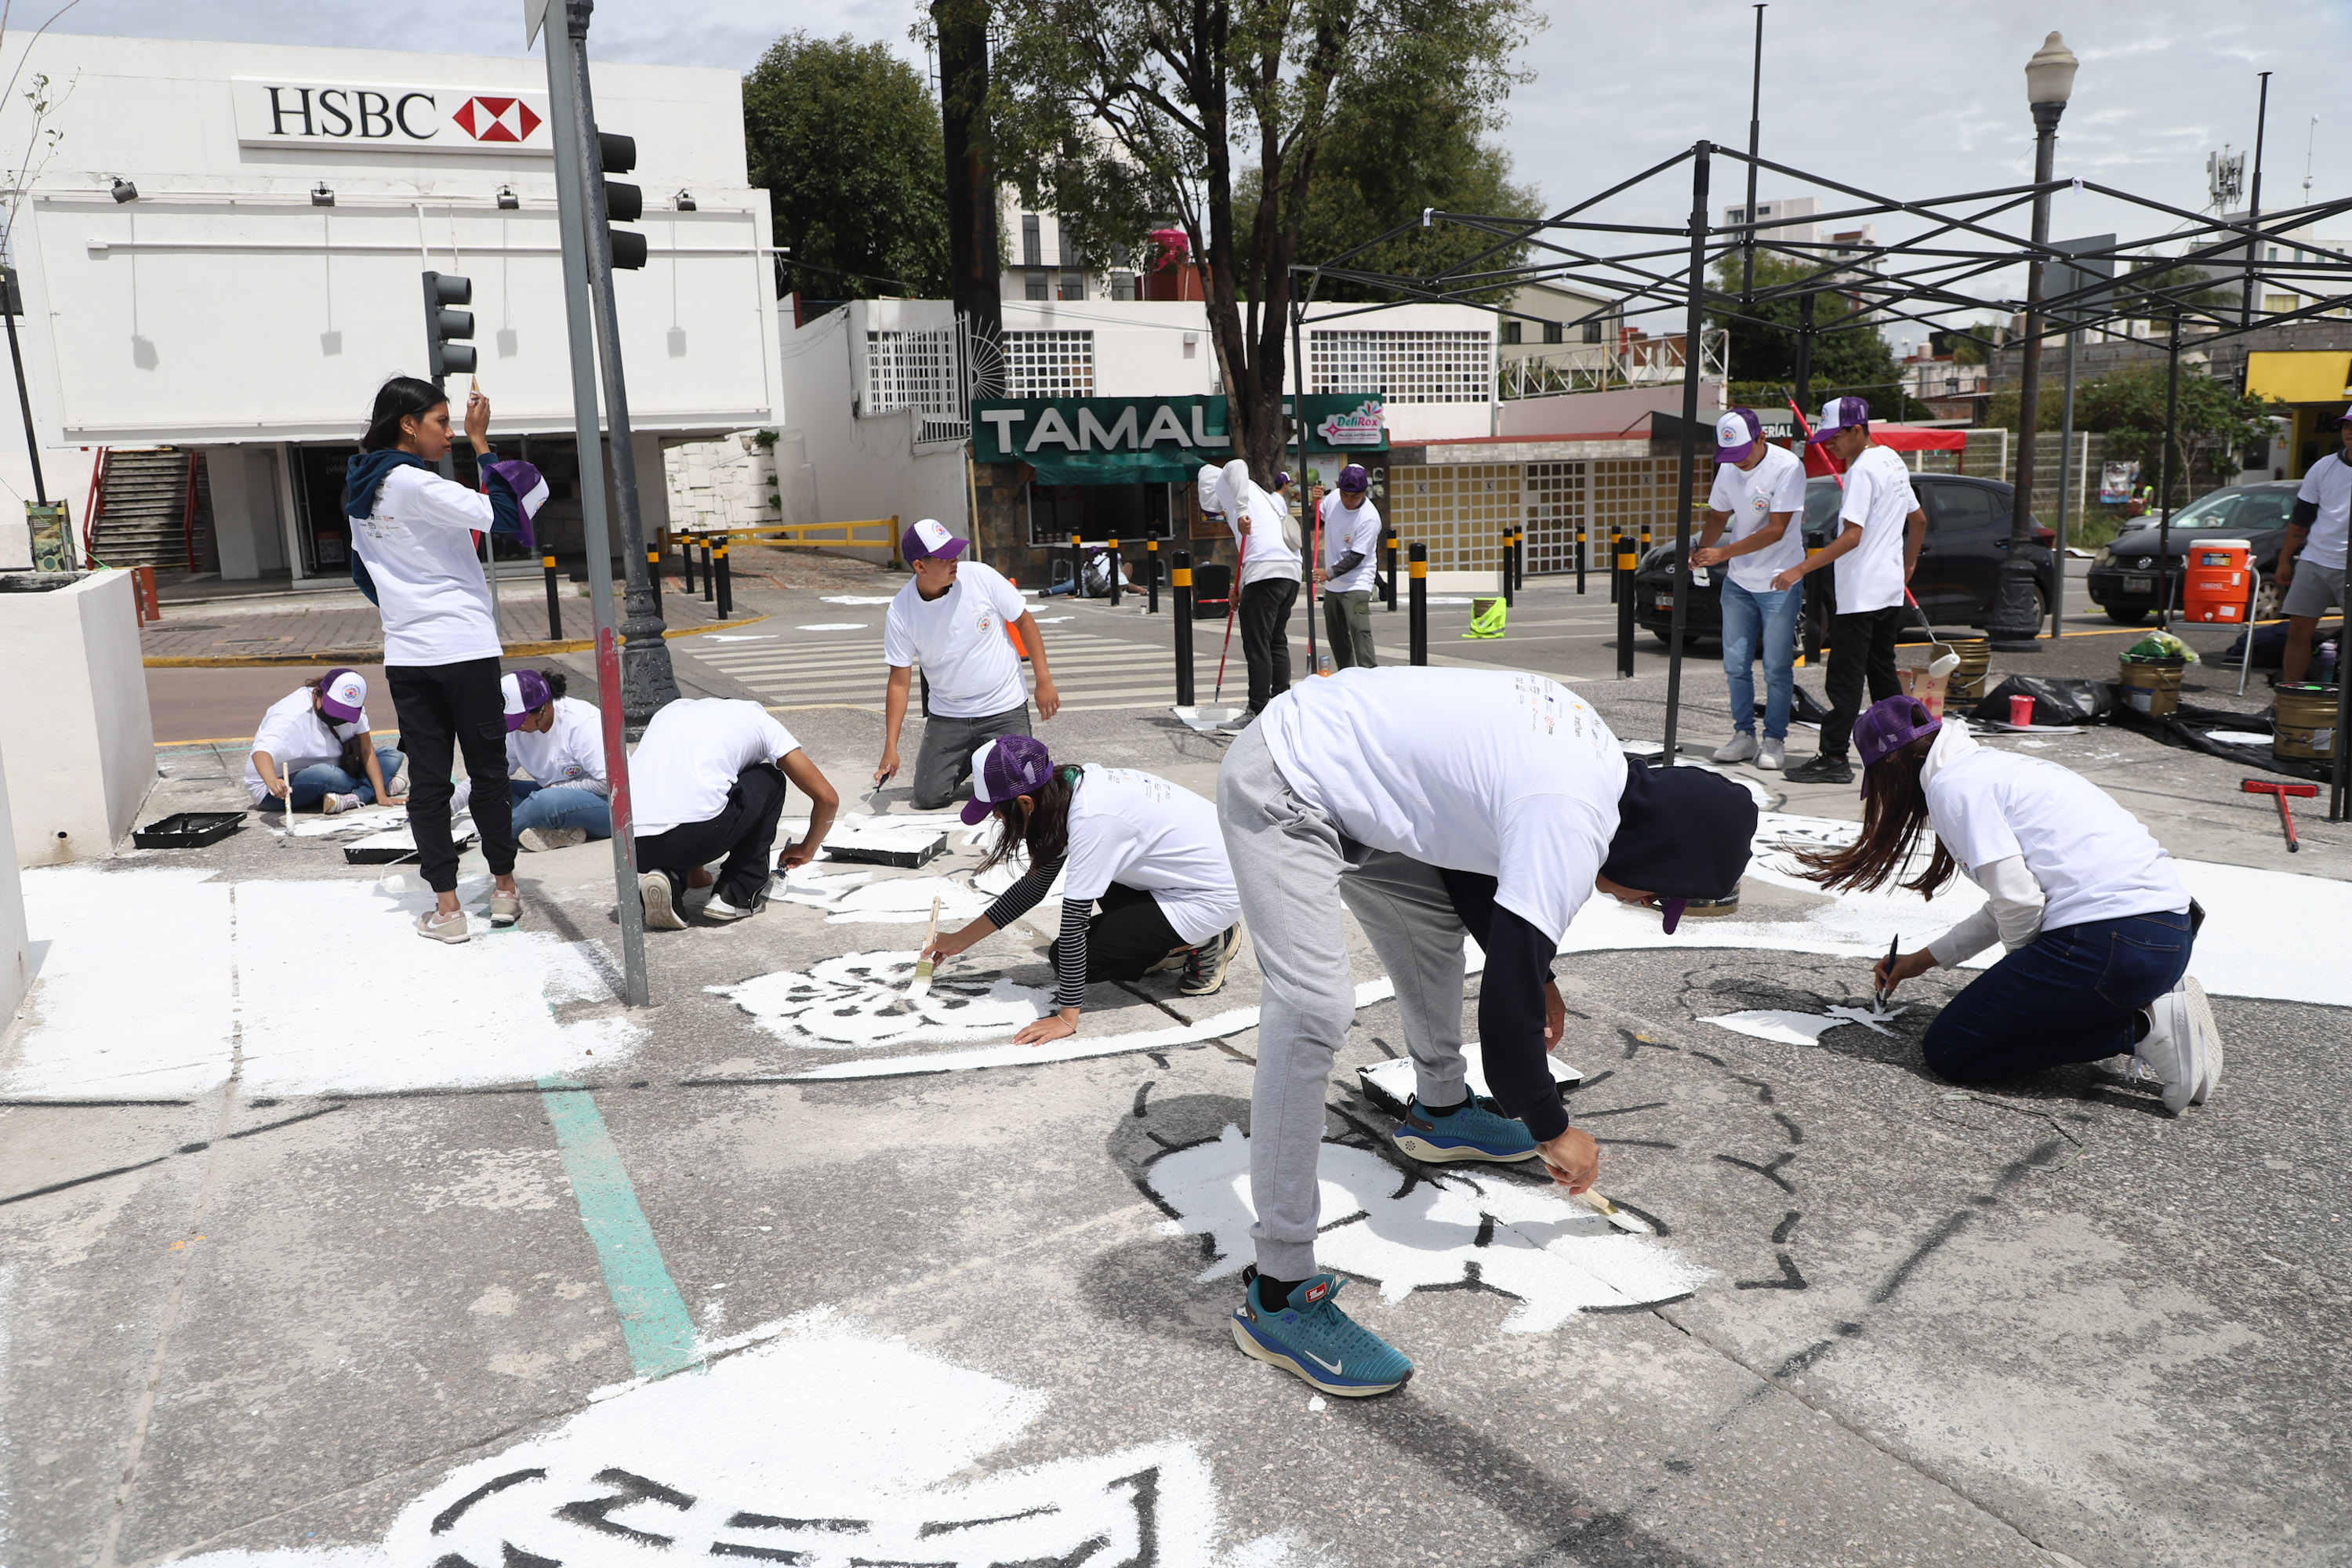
(1147, 440)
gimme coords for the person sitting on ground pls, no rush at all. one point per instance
(1146, 849)
(2098, 925)
(950, 620)
(2312, 561)
(1432, 804)
(559, 741)
(314, 749)
(708, 784)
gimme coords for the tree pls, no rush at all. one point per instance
(2128, 406)
(1111, 114)
(845, 138)
(1852, 361)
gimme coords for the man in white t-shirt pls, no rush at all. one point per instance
(1268, 542)
(954, 621)
(1759, 493)
(708, 784)
(1351, 540)
(2311, 562)
(1432, 804)
(1880, 528)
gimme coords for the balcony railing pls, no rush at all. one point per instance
(1606, 367)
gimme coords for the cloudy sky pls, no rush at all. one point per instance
(1895, 96)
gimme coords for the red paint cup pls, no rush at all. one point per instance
(2021, 711)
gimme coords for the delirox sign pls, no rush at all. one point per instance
(1126, 440)
(388, 118)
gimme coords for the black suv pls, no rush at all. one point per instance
(1967, 539)
(2123, 576)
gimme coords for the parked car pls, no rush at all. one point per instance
(2123, 576)
(1960, 563)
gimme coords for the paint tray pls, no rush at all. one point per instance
(188, 829)
(1390, 1084)
(394, 846)
(1209, 720)
(881, 843)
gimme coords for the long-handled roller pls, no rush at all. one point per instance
(1232, 602)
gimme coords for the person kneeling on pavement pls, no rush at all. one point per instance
(314, 749)
(1146, 849)
(1431, 804)
(708, 784)
(2097, 923)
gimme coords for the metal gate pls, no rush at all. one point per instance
(1556, 513)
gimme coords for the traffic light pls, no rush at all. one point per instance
(623, 203)
(442, 324)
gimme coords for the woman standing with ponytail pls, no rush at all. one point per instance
(413, 533)
(2097, 924)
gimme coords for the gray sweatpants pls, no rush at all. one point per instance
(944, 763)
(1295, 872)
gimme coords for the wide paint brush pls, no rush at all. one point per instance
(926, 962)
(1590, 1198)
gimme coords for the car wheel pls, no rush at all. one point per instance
(1663, 635)
(2124, 616)
(2269, 602)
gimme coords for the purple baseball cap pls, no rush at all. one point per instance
(1282, 480)
(930, 541)
(1736, 435)
(1840, 414)
(1889, 724)
(2343, 418)
(1004, 769)
(526, 692)
(342, 692)
(1353, 477)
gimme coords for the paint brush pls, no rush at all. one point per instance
(1590, 1198)
(924, 965)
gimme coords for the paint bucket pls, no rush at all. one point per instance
(1966, 684)
(2021, 711)
(2303, 723)
(2152, 686)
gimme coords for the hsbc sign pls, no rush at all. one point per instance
(381, 118)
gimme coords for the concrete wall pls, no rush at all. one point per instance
(248, 525)
(15, 941)
(81, 752)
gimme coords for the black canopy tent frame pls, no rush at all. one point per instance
(1920, 280)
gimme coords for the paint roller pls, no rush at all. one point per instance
(1945, 662)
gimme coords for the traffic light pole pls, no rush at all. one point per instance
(646, 681)
(562, 46)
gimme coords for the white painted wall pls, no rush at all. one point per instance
(82, 746)
(15, 941)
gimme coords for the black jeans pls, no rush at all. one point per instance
(1862, 647)
(744, 833)
(2072, 995)
(1266, 638)
(444, 708)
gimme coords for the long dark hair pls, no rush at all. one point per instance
(400, 397)
(557, 683)
(1894, 813)
(1046, 834)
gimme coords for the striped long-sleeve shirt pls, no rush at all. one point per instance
(1070, 951)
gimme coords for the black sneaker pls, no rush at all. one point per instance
(1204, 967)
(1822, 768)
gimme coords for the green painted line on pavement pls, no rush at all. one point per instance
(654, 1320)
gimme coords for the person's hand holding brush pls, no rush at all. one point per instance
(1893, 971)
(1573, 1158)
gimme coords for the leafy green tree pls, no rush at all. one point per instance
(1848, 360)
(2128, 406)
(1110, 114)
(845, 138)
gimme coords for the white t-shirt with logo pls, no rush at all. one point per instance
(2328, 484)
(1141, 831)
(297, 736)
(959, 640)
(682, 770)
(1777, 483)
(2094, 860)
(1508, 775)
(1345, 530)
(569, 755)
(1266, 553)
(418, 545)
(1878, 497)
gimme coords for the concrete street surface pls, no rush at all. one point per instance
(323, 1245)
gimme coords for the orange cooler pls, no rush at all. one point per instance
(2216, 582)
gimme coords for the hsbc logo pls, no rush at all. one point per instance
(387, 117)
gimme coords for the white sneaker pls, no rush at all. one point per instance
(2173, 1049)
(2209, 1036)
(334, 805)
(661, 914)
(1739, 749)
(537, 839)
(1774, 754)
(719, 908)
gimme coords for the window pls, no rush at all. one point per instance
(1511, 331)
(1032, 287)
(1122, 287)
(1963, 508)
(913, 370)
(1071, 261)
(1592, 329)
(1033, 245)
(1555, 332)
(1405, 366)
(1049, 364)
(1074, 285)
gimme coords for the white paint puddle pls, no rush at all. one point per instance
(856, 599)
(1557, 1257)
(373, 821)
(743, 636)
(1801, 1028)
(876, 1467)
(859, 898)
(832, 627)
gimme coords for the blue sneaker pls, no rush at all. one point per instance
(1479, 1130)
(1319, 1342)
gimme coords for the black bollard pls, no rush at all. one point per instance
(1152, 578)
(1580, 559)
(708, 585)
(1506, 566)
(653, 567)
(1389, 566)
(1182, 582)
(686, 565)
(1624, 588)
(1077, 569)
(1113, 559)
(1520, 555)
(1418, 620)
(726, 584)
(554, 601)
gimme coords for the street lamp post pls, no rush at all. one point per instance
(2016, 613)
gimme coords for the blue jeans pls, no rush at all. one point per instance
(312, 785)
(536, 805)
(2074, 995)
(1748, 616)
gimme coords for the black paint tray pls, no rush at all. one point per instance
(188, 829)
